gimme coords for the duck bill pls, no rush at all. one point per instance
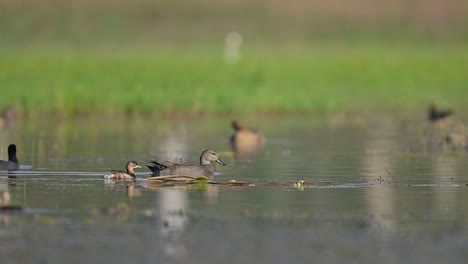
(137, 166)
(220, 162)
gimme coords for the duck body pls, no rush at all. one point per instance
(440, 118)
(436, 114)
(246, 139)
(179, 168)
(163, 168)
(445, 129)
(122, 175)
(12, 164)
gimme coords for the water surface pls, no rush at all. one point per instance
(394, 197)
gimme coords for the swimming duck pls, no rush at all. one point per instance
(439, 117)
(12, 163)
(245, 139)
(122, 175)
(187, 168)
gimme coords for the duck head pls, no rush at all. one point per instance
(209, 155)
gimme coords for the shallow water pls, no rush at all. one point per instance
(393, 199)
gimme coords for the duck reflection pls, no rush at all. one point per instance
(131, 192)
(6, 207)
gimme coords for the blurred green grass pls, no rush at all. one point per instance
(116, 56)
(315, 80)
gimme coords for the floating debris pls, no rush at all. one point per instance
(174, 180)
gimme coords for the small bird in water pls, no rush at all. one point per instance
(12, 164)
(435, 114)
(122, 175)
(245, 139)
(185, 168)
(444, 128)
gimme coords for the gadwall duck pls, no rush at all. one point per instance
(160, 168)
(122, 175)
(12, 163)
(245, 139)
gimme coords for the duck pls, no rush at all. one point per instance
(245, 139)
(122, 175)
(184, 168)
(439, 117)
(12, 164)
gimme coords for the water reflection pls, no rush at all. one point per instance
(69, 184)
(173, 207)
(130, 190)
(173, 204)
(444, 172)
(211, 193)
(6, 207)
(376, 165)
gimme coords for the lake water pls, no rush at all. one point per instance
(394, 198)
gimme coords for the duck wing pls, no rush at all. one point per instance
(179, 163)
(157, 166)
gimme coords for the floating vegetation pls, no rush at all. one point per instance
(299, 185)
(177, 180)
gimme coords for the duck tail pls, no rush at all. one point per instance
(155, 167)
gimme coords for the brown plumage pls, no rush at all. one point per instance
(185, 168)
(245, 139)
(122, 175)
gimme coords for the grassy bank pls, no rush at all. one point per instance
(320, 79)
